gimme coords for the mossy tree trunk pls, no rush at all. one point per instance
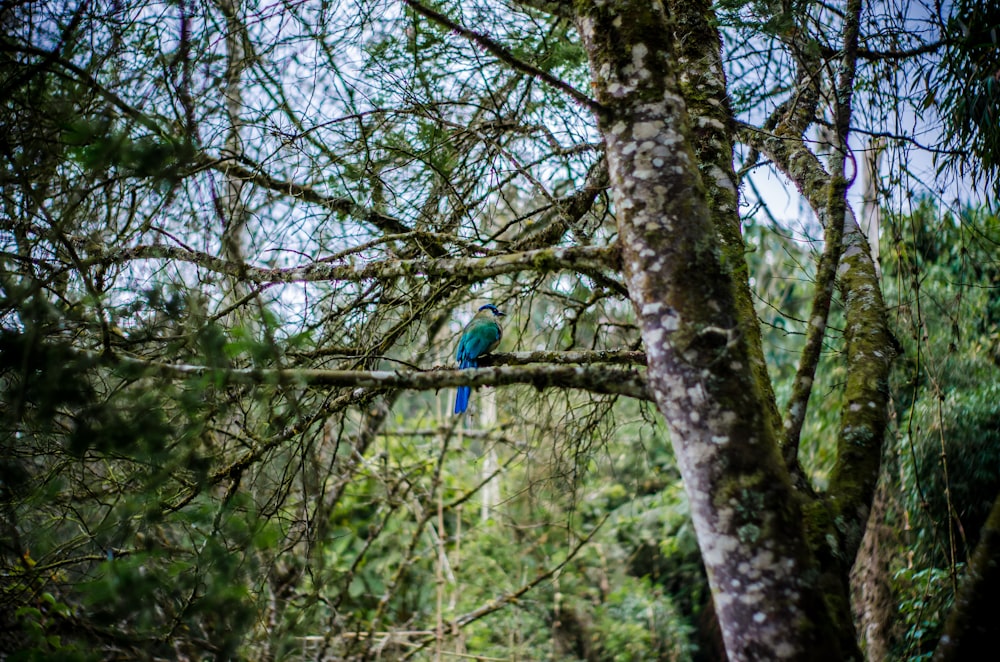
(777, 555)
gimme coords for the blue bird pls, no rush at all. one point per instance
(481, 336)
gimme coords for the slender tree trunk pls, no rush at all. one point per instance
(232, 204)
(871, 217)
(871, 593)
(491, 487)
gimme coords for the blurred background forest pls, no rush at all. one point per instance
(203, 202)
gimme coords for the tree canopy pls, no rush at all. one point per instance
(238, 242)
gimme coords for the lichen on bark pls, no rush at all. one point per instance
(750, 528)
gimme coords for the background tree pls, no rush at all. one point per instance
(239, 242)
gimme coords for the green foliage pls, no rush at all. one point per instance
(968, 87)
(96, 145)
(638, 622)
(941, 279)
(39, 625)
(960, 474)
(927, 597)
(204, 590)
(151, 509)
(948, 378)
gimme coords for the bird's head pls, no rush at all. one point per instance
(493, 309)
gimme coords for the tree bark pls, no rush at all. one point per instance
(871, 593)
(745, 511)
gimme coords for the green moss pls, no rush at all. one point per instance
(544, 262)
(865, 411)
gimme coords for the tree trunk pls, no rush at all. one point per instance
(748, 519)
(872, 599)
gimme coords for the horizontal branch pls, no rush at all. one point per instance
(626, 357)
(616, 356)
(875, 56)
(594, 379)
(584, 259)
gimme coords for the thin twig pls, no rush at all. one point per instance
(504, 55)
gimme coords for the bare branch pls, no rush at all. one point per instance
(585, 259)
(877, 56)
(562, 358)
(504, 55)
(230, 168)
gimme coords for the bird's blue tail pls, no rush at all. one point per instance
(462, 399)
(463, 393)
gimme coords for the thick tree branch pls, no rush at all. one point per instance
(595, 379)
(365, 385)
(833, 221)
(562, 358)
(869, 343)
(619, 357)
(877, 56)
(790, 120)
(826, 273)
(870, 351)
(707, 98)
